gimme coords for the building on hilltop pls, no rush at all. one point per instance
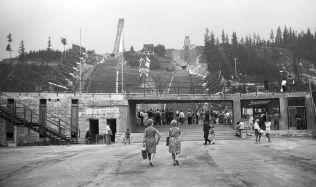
(148, 49)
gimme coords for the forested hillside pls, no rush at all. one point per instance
(257, 59)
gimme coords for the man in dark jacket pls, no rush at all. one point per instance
(206, 130)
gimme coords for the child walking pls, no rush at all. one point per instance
(127, 137)
(257, 128)
(212, 134)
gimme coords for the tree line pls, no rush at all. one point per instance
(254, 58)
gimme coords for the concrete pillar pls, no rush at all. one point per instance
(310, 113)
(2, 132)
(132, 116)
(123, 122)
(283, 114)
(236, 110)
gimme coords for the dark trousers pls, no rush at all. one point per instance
(276, 125)
(206, 137)
(189, 120)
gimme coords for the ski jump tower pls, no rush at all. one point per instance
(118, 39)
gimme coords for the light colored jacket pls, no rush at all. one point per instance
(268, 126)
(107, 129)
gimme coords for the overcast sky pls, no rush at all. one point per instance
(146, 21)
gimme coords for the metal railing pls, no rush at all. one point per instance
(152, 88)
(46, 124)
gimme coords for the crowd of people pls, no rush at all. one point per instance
(152, 136)
(164, 117)
(261, 126)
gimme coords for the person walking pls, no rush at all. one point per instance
(207, 116)
(250, 122)
(127, 137)
(189, 114)
(206, 131)
(174, 142)
(197, 117)
(256, 128)
(202, 114)
(212, 134)
(262, 125)
(108, 133)
(182, 117)
(268, 128)
(163, 117)
(149, 140)
(276, 121)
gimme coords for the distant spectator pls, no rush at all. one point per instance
(266, 85)
(87, 137)
(206, 131)
(182, 117)
(283, 86)
(189, 114)
(298, 118)
(212, 134)
(257, 129)
(268, 129)
(250, 122)
(276, 121)
(239, 128)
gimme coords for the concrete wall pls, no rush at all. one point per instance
(2, 132)
(91, 106)
(123, 109)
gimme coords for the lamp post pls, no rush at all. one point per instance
(80, 65)
(235, 59)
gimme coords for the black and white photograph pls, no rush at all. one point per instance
(157, 93)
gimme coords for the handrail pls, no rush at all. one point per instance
(47, 118)
(32, 109)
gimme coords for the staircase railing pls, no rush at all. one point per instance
(46, 124)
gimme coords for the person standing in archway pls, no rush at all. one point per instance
(108, 133)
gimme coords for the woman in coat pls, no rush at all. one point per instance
(174, 142)
(150, 140)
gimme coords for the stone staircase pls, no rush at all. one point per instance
(189, 133)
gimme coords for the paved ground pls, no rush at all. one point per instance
(284, 162)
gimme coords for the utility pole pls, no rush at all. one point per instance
(80, 65)
(122, 61)
(235, 59)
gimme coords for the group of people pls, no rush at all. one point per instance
(164, 117)
(262, 126)
(152, 137)
(107, 135)
(286, 85)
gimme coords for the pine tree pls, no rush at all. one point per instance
(226, 39)
(21, 51)
(49, 44)
(234, 39)
(278, 38)
(223, 37)
(132, 49)
(272, 36)
(285, 36)
(217, 41)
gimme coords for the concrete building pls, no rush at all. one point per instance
(91, 111)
